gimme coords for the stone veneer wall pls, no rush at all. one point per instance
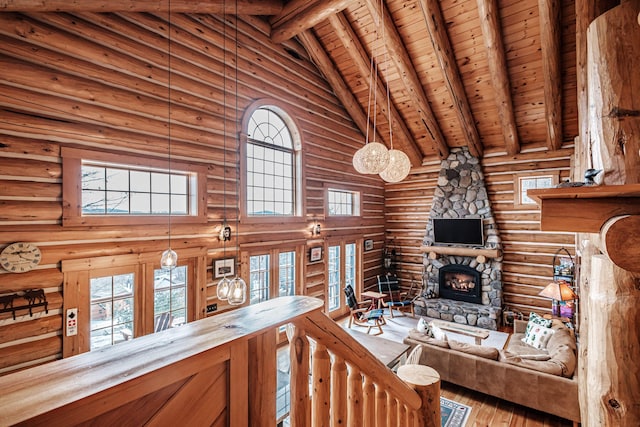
(461, 193)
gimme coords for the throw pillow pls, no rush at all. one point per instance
(423, 326)
(438, 333)
(535, 319)
(538, 336)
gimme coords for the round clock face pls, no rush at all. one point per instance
(20, 257)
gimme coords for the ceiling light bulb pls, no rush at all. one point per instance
(169, 259)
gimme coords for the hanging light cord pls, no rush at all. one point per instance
(169, 111)
(237, 136)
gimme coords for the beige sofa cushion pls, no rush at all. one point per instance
(517, 348)
(477, 350)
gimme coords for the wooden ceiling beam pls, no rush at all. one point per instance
(400, 58)
(300, 15)
(443, 51)
(550, 37)
(244, 7)
(328, 69)
(490, 24)
(359, 56)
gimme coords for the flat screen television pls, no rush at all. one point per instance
(458, 231)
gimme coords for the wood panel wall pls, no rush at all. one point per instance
(528, 252)
(101, 81)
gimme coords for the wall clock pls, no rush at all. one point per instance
(20, 257)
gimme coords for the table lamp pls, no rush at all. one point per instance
(561, 296)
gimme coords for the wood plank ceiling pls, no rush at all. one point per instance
(496, 76)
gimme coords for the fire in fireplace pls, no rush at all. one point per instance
(460, 283)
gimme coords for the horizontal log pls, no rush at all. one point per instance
(18, 330)
(621, 237)
(461, 251)
(242, 7)
(29, 351)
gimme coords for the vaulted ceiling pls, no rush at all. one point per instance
(497, 76)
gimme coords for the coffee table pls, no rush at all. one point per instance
(388, 352)
(470, 331)
(377, 299)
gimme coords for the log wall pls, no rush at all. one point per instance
(101, 81)
(528, 252)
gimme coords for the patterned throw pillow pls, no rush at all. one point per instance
(535, 319)
(438, 333)
(424, 327)
(538, 336)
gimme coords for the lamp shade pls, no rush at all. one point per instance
(398, 167)
(559, 291)
(373, 158)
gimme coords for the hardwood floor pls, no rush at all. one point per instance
(487, 411)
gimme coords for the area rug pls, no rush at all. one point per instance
(453, 414)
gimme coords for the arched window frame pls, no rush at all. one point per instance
(281, 110)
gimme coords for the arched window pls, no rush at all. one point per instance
(271, 163)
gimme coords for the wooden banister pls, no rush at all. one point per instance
(219, 370)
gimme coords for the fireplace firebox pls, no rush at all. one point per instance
(460, 283)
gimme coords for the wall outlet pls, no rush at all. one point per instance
(72, 322)
(211, 308)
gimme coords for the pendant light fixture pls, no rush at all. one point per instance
(222, 290)
(237, 287)
(169, 258)
(373, 158)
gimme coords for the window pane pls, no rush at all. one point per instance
(334, 277)
(287, 270)
(140, 203)
(117, 202)
(117, 179)
(93, 202)
(159, 183)
(111, 306)
(258, 278)
(170, 294)
(140, 181)
(93, 178)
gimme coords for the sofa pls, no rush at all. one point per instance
(543, 379)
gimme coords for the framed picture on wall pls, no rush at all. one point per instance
(315, 254)
(224, 267)
(368, 244)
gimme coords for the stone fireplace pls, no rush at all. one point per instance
(463, 284)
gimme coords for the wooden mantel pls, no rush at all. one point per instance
(585, 209)
(461, 251)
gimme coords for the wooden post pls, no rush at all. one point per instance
(354, 397)
(262, 379)
(381, 405)
(338, 392)
(299, 356)
(426, 382)
(321, 386)
(369, 403)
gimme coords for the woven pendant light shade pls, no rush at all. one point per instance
(373, 158)
(398, 167)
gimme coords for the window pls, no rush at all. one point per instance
(526, 182)
(121, 297)
(287, 274)
(334, 277)
(271, 164)
(111, 309)
(343, 202)
(170, 293)
(258, 278)
(342, 271)
(110, 189)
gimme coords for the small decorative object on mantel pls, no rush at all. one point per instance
(589, 179)
(34, 298)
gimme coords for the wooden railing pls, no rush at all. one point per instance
(217, 371)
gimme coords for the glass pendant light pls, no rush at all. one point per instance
(169, 258)
(398, 167)
(237, 291)
(223, 288)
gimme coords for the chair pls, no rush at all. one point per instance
(401, 301)
(414, 357)
(162, 321)
(362, 314)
